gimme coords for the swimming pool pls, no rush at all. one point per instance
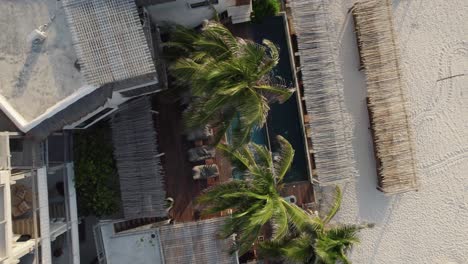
(283, 119)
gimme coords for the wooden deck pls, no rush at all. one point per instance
(178, 170)
(302, 190)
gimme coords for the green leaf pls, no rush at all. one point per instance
(284, 160)
(335, 205)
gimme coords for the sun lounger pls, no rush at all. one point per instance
(205, 171)
(200, 133)
(201, 153)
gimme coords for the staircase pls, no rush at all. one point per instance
(135, 223)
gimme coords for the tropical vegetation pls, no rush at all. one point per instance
(317, 241)
(265, 8)
(256, 203)
(232, 85)
(256, 200)
(230, 78)
(96, 180)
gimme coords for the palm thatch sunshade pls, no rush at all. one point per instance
(323, 90)
(138, 162)
(386, 96)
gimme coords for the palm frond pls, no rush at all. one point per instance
(184, 69)
(280, 221)
(272, 248)
(273, 49)
(284, 160)
(241, 134)
(347, 234)
(297, 216)
(263, 155)
(234, 154)
(338, 196)
(282, 94)
(214, 193)
(324, 255)
(300, 249)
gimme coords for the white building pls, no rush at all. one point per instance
(192, 242)
(63, 65)
(68, 64)
(191, 13)
(37, 202)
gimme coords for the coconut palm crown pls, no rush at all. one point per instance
(230, 78)
(255, 201)
(317, 241)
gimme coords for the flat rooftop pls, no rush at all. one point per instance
(193, 242)
(36, 76)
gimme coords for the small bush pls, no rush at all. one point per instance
(265, 8)
(96, 180)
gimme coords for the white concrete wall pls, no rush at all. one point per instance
(6, 233)
(43, 198)
(179, 12)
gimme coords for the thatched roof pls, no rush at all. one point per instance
(323, 90)
(196, 243)
(109, 40)
(386, 96)
(139, 166)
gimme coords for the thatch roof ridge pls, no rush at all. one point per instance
(323, 91)
(387, 99)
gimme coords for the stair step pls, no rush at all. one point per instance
(134, 223)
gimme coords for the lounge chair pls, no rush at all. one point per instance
(200, 133)
(205, 171)
(201, 153)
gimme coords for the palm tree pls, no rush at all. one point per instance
(318, 241)
(230, 78)
(255, 200)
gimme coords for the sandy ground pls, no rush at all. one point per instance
(431, 225)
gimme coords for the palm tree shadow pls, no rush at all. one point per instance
(28, 67)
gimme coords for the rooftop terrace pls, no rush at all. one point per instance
(36, 75)
(54, 53)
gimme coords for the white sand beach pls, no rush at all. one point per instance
(431, 225)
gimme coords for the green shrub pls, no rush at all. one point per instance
(96, 179)
(265, 8)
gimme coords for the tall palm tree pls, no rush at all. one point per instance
(255, 200)
(318, 241)
(229, 77)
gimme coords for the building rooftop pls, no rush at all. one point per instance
(193, 242)
(35, 75)
(109, 39)
(52, 53)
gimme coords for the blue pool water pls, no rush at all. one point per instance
(283, 119)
